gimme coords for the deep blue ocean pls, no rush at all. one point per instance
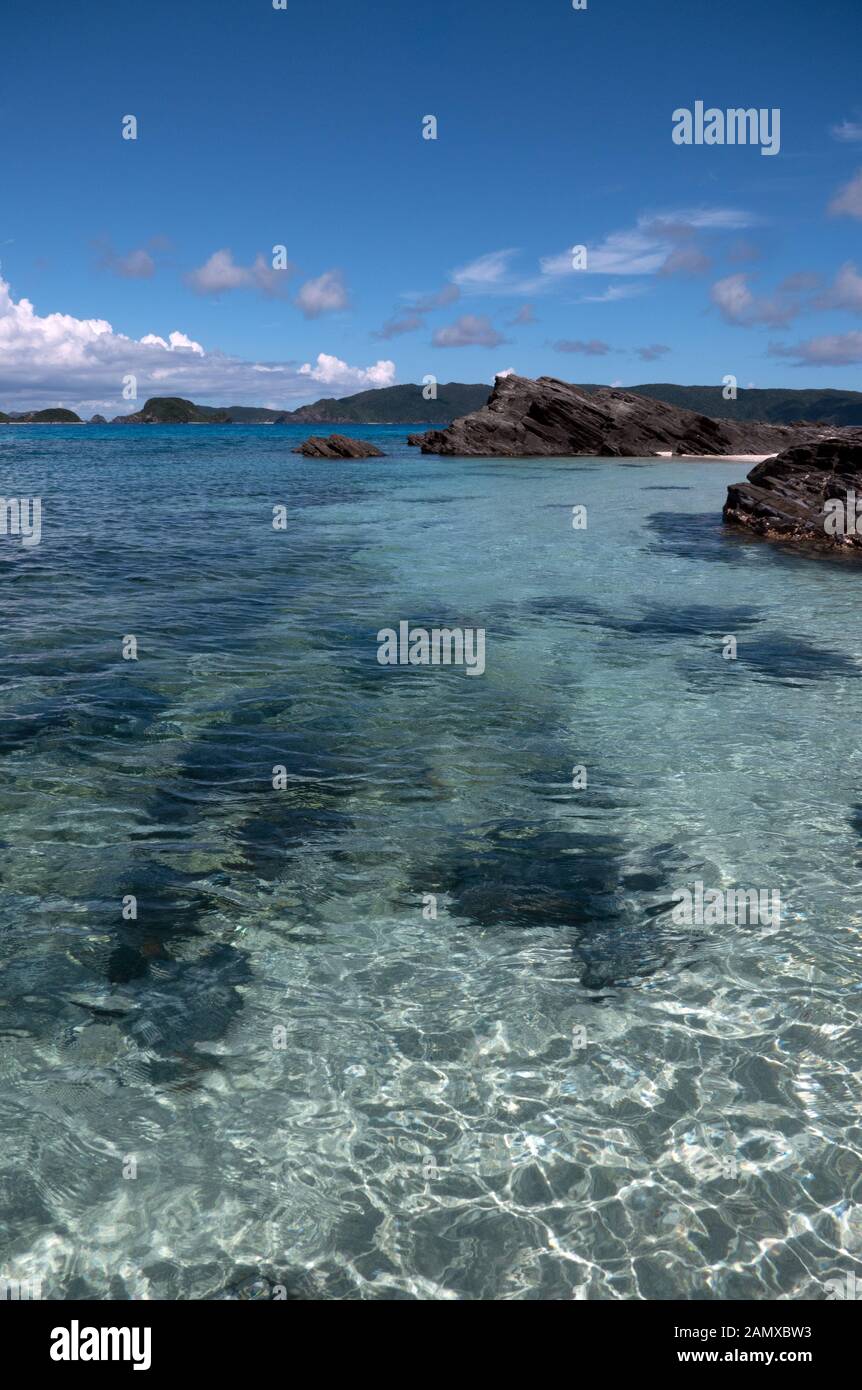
(418, 1022)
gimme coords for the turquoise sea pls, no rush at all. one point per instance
(286, 1068)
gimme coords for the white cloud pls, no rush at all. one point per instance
(486, 271)
(221, 274)
(331, 371)
(56, 358)
(621, 253)
(649, 246)
(175, 340)
(325, 295)
(737, 304)
(848, 200)
(492, 275)
(733, 297)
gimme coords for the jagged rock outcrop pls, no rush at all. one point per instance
(550, 418)
(338, 446)
(807, 493)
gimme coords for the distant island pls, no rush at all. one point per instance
(406, 405)
(54, 416)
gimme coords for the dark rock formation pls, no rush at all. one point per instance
(97, 420)
(338, 446)
(550, 418)
(808, 493)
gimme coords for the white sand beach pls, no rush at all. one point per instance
(717, 458)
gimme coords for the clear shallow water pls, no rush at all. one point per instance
(431, 1127)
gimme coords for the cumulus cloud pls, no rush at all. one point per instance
(470, 330)
(831, 350)
(848, 200)
(56, 358)
(331, 371)
(325, 295)
(594, 348)
(220, 274)
(739, 305)
(174, 340)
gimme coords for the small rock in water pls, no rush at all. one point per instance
(338, 446)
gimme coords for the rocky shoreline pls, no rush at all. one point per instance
(548, 418)
(807, 494)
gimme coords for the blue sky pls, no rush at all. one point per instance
(303, 128)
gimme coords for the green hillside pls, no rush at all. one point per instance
(395, 405)
(174, 410)
(56, 415)
(776, 405)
